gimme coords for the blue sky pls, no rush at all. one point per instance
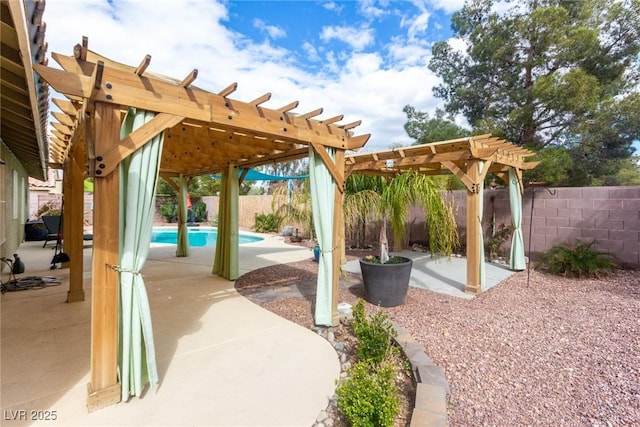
(363, 59)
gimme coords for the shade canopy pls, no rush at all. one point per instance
(254, 175)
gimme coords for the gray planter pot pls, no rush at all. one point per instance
(386, 285)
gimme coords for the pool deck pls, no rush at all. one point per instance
(222, 360)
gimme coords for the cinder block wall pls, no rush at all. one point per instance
(611, 215)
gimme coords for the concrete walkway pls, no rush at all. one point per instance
(222, 360)
(439, 274)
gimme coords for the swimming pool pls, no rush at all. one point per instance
(198, 236)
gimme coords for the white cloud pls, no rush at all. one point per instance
(403, 53)
(418, 25)
(372, 86)
(331, 5)
(273, 31)
(369, 9)
(358, 39)
(448, 6)
(458, 44)
(312, 52)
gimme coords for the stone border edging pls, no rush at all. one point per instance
(430, 408)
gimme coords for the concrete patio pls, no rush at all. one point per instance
(222, 360)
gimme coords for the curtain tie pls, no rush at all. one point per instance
(123, 270)
(328, 251)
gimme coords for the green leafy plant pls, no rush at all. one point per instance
(199, 211)
(373, 333)
(169, 210)
(410, 188)
(494, 242)
(265, 223)
(297, 210)
(580, 259)
(369, 397)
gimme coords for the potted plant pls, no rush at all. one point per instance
(386, 278)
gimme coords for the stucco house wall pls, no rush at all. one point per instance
(14, 199)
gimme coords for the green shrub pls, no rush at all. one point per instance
(369, 396)
(199, 211)
(169, 210)
(265, 223)
(373, 334)
(578, 260)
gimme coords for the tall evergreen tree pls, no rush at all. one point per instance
(424, 128)
(547, 72)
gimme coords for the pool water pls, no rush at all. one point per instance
(198, 237)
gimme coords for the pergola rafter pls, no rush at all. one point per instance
(254, 131)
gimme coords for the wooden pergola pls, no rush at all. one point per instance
(470, 159)
(206, 133)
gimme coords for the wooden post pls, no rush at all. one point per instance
(67, 197)
(473, 229)
(104, 389)
(73, 231)
(338, 224)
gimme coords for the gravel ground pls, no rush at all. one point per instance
(561, 352)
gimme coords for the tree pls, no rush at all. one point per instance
(555, 165)
(605, 142)
(540, 73)
(424, 129)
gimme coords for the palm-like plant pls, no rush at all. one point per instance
(297, 209)
(362, 203)
(412, 188)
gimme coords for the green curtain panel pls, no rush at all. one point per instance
(139, 176)
(481, 237)
(183, 233)
(516, 260)
(322, 201)
(226, 258)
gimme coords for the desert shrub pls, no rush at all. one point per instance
(169, 210)
(494, 241)
(373, 333)
(580, 260)
(369, 396)
(199, 211)
(52, 207)
(265, 223)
